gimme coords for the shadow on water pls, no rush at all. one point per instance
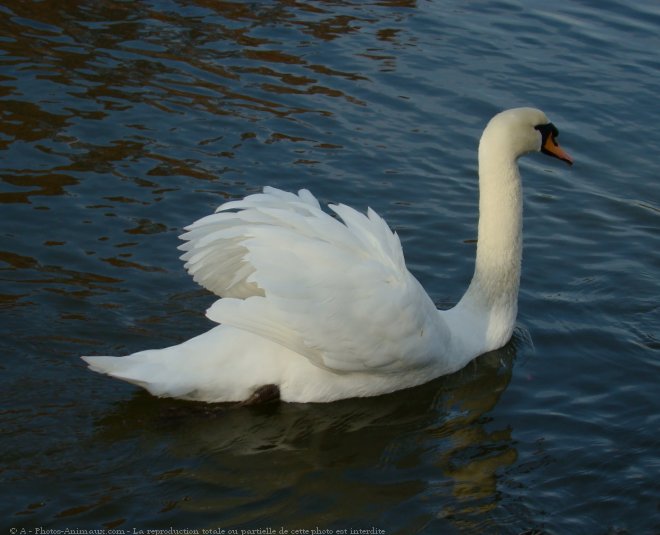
(367, 457)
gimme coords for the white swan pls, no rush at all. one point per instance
(314, 309)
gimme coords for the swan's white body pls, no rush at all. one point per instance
(326, 309)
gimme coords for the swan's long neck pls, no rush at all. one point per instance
(499, 238)
(490, 304)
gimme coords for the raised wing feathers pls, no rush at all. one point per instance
(336, 292)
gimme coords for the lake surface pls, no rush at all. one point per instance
(124, 121)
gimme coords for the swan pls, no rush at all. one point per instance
(317, 308)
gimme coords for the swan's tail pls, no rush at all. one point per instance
(139, 369)
(107, 365)
(217, 366)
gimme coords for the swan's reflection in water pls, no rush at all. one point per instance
(298, 464)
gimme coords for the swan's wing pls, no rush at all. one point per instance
(336, 292)
(215, 250)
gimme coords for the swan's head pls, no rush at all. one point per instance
(522, 130)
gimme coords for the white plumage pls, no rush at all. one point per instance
(324, 307)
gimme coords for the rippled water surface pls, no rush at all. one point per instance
(124, 121)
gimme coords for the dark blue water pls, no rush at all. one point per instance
(121, 122)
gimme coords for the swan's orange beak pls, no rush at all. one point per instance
(552, 148)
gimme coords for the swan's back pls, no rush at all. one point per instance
(336, 291)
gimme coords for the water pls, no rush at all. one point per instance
(124, 121)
